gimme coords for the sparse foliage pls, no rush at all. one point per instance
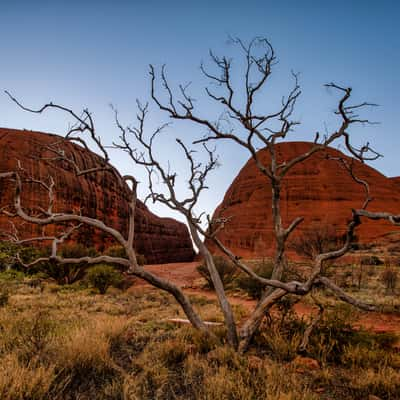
(371, 260)
(316, 240)
(102, 277)
(226, 270)
(119, 252)
(250, 285)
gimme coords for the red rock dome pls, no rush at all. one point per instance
(320, 190)
(160, 240)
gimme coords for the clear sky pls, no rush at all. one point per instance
(93, 53)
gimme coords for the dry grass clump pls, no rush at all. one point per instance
(181, 373)
(24, 380)
(78, 345)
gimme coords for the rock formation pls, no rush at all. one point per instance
(160, 240)
(319, 189)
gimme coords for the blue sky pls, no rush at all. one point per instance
(93, 53)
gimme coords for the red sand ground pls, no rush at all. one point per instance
(186, 276)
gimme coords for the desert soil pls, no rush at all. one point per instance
(186, 276)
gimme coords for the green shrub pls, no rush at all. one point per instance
(115, 251)
(7, 255)
(119, 251)
(67, 273)
(226, 269)
(334, 340)
(251, 286)
(77, 250)
(11, 275)
(9, 251)
(317, 239)
(103, 276)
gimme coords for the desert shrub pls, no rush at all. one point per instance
(20, 380)
(115, 251)
(30, 253)
(359, 355)
(316, 240)
(11, 275)
(181, 373)
(251, 286)
(371, 260)
(333, 333)
(103, 276)
(389, 278)
(278, 344)
(7, 255)
(119, 251)
(66, 273)
(280, 336)
(226, 269)
(376, 383)
(9, 252)
(76, 250)
(37, 280)
(199, 341)
(27, 335)
(334, 340)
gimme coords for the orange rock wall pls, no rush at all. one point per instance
(160, 240)
(320, 190)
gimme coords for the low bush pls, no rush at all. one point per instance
(103, 276)
(251, 286)
(371, 260)
(119, 251)
(7, 255)
(65, 274)
(317, 239)
(226, 269)
(11, 275)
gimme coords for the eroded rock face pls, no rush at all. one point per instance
(160, 240)
(319, 189)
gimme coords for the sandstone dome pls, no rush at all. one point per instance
(319, 189)
(160, 240)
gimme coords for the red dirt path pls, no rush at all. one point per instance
(186, 276)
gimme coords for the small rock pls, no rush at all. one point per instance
(306, 363)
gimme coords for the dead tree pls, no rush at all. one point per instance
(252, 130)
